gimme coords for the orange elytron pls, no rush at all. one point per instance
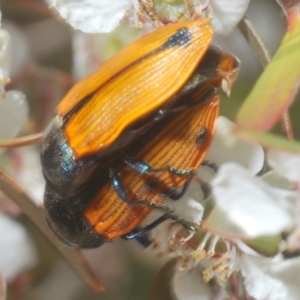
(131, 85)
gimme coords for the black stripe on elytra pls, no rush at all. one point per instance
(182, 37)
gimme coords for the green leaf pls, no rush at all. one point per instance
(265, 245)
(270, 140)
(276, 87)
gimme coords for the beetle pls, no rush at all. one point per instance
(163, 160)
(109, 109)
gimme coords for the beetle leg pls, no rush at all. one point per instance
(206, 187)
(122, 193)
(211, 165)
(140, 232)
(143, 239)
(176, 195)
(142, 167)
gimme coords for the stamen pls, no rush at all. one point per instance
(211, 251)
(199, 254)
(207, 274)
(234, 260)
(227, 244)
(202, 245)
(185, 240)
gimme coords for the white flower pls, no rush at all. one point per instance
(17, 49)
(286, 167)
(253, 207)
(13, 106)
(17, 251)
(226, 14)
(92, 15)
(272, 280)
(28, 172)
(13, 114)
(95, 16)
(191, 286)
(5, 58)
(286, 164)
(244, 207)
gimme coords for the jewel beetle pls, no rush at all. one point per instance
(158, 164)
(109, 109)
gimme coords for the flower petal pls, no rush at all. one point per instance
(93, 16)
(258, 283)
(227, 13)
(17, 250)
(286, 164)
(28, 172)
(288, 272)
(191, 286)
(18, 52)
(271, 280)
(227, 147)
(13, 114)
(5, 57)
(253, 206)
(189, 207)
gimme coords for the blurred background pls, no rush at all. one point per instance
(48, 57)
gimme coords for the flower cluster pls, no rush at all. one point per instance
(93, 16)
(242, 225)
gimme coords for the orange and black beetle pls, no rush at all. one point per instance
(106, 111)
(129, 183)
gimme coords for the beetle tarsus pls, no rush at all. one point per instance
(211, 165)
(186, 224)
(177, 195)
(139, 232)
(164, 207)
